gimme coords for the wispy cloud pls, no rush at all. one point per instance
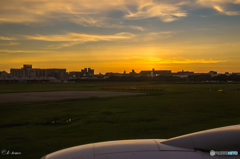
(6, 38)
(222, 10)
(71, 39)
(26, 51)
(87, 13)
(233, 44)
(155, 60)
(124, 26)
(9, 44)
(221, 6)
(97, 13)
(191, 61)
(62, 45)
(78, 37)
(152, 36)
(166, 12)
(136, 27)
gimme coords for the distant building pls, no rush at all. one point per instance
(237, 73)
(76, 74)
(57, 73)
(183, 74)
(27, 72)
(84, 72)
(109, 74)
(3, 74)
(133, 73)
(227, 73)
(213, 73)
(201, 73)
(90, 72)
(145, 73)
(156, 73)
(162, 73)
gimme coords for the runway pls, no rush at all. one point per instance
(58, 95)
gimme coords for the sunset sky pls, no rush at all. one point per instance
(191, 35)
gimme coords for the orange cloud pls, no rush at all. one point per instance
(6, 38)
(166, 12)
(25, 51)
(8, 44)
(155, 60)
(220, 6)
(87, 13)
(77, 37)
(96, 13)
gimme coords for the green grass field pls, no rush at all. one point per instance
(36, 130)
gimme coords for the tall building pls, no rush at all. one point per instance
(84, 72)
(90, 72)
(57, 73)
(28, 71)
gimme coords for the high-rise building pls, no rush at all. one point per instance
(28, 71)
(90, 72)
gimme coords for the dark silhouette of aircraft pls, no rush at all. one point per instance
(219, 143)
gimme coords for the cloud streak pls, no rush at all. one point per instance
(6, 38)
(78, 37)
(97, 13)
(166, 12)
(186, 61)
(221, 6)
(71, 38)
(9, 44)
(156, 60)
(87, 13)
(25, 51)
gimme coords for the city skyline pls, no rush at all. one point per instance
(195, 35)
(123, 71)
(88, 69)
(27, 73)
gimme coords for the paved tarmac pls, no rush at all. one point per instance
(58, 95)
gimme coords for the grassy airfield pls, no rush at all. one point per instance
(38, 128)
